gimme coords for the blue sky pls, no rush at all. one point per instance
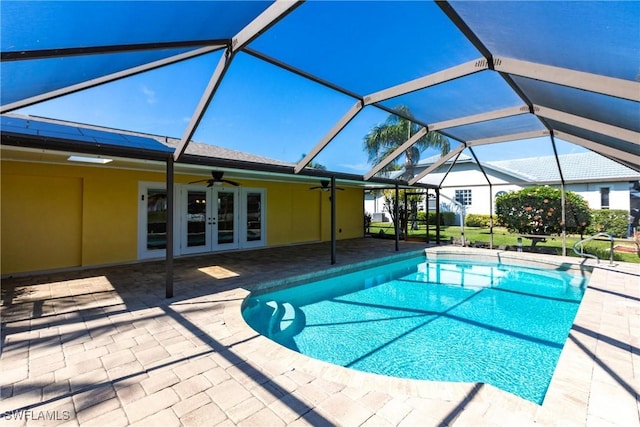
(259, 108)
(262, 109)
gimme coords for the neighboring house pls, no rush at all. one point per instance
(603, 183)
(58, 213)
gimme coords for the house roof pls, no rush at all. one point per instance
(208, 150)
(52, 131)
(485, 72)
(576, 167)
(55, 133)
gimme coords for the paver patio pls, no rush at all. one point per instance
(104, 347)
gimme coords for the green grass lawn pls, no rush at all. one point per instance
(502, 237)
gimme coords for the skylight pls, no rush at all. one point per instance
(96, 160)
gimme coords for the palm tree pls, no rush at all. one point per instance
(384, 138)
(314, 165)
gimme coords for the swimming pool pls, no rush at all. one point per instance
(443, 320)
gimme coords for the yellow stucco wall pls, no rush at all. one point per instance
(41, 221)
(349, 214)
(60, 216)
(75, 216)
(293, 214)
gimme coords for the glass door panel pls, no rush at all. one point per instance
(254, 217)
(225, 222)
(156, 219)
(221, 218)
(196, 219)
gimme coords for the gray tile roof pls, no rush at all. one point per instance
(575, 167)
(207, 150)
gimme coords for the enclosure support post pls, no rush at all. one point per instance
(562, 197)
(333, 220)
(427, 212)
(405, 230)
(490, 216)
(564, 221)
(396, 212)
(169, 231)
(437, 216)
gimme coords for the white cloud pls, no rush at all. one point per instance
(149, 94)
(359, 167)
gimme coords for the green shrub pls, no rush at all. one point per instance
(610, 221)
(477, 220)
(538, 210)
(446, 218)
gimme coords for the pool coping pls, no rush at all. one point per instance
(106, 347)
(567, 401)
(332, 271)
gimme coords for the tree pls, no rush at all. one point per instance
(538, 210)
(386, 137)
(404, 211)
(314, 165)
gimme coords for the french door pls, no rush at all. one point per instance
(206, 219)
(210, 220)
(221, 218)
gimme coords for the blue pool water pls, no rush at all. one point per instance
(449, 320)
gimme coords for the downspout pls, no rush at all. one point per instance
(333, 220)
(463, 214)
(169, 231)
(562, 197)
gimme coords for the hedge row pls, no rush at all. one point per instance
(446, 218)
(476, 220)
(611, 221)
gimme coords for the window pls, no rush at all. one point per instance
(604, 198)
(463, 197)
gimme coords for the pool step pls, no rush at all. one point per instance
(286, 320)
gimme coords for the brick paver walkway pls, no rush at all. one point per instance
(103, 347)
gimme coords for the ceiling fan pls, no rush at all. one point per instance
(216, 177)
(324, 186)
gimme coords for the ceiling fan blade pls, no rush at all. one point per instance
(200, 180)
(229, 182)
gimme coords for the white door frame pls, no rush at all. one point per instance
(143, 251)
(246, 222)
(241, 220)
